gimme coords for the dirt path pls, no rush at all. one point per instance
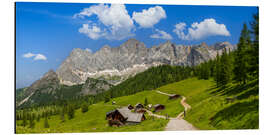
(179, 123)
(163, 93)
(155, 115)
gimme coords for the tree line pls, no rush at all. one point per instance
(237, 66)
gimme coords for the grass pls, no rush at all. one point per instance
(94, 119)
(210, 109)
(172, 107)
(91, 121)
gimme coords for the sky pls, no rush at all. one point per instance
(47, 32)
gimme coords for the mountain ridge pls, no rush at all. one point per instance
(130, 58)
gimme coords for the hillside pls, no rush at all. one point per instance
(207, 102)
(98, 89)
(151, 79)
(93, 121)
(47, 91)
(212, 108)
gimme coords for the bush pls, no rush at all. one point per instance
(84, 107)
(145, 102)
(46, 123)
(71, 111)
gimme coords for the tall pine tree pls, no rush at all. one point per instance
(242, 58)
(254, 70)
(225, 69)
(217, 70)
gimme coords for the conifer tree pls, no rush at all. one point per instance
(38, 117)
(217, 70)
(255, 46)
(71, 111)
(84, 107)
(46, 123)
(24, 123)
(226, 68)
(145, 102)
(242, 57)
(31, 122)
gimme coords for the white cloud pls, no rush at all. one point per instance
(36, 56)
(148, 18)
(92, 32)
(206, 28)
(89, 50)
(115, 18)
(161, 34)
(40, 57)
(28, 55)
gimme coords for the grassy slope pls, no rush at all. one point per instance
(210, 109)
(91, 121)
(94, 119)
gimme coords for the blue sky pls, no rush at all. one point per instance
(47, 32)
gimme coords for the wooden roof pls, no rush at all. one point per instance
(158, 105)
(131, 116)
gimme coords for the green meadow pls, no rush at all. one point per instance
(210, 109)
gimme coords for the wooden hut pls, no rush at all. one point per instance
(158, 107)
(139, 108)
(132, 117)
(174, 96)
(115, 118)
(130, 107)
(124, 116)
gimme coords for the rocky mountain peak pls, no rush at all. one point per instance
(105, 49)
(132, 43)
(50, 73)
(222, 45)
(76, 50)
(203, 44)
(49, 77)
(167, 44)
(130, 58)
(47, 84)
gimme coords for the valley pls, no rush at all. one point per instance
(86, 67)
(207, 103)
(197, 87)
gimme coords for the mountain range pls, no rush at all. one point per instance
(130, 58)
(86, 73)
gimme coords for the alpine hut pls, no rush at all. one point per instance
(139, 108)
(158, 107)
(124, 116)
(174, 96)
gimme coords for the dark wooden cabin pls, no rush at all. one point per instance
(130, 107)
(158, 107)
(115, 118)
(174, 96)
(139, 108)
(124, 116)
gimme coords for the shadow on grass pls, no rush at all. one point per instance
(238, 111)
(247, 90)
(240, 88)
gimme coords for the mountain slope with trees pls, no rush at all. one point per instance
(223, 93)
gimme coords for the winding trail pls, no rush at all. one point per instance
(177, 123)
